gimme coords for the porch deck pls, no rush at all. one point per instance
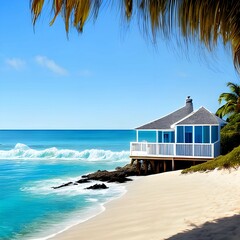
(174, 151)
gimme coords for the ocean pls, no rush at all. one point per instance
(34, 161)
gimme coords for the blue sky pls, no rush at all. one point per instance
(109, 77)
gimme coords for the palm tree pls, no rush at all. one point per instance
(232, 99)
(206, 21)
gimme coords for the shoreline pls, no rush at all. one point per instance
(165, 205)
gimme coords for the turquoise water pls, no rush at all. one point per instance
(32, 162)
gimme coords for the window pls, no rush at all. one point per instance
(198, 134)
(188, 134)
(172, 134)
(206, 134)
(160, 136)
(168, 137)
(214, 134)
(180, 136)
(149, 136)
(184, 134)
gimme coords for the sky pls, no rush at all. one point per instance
(109, 77)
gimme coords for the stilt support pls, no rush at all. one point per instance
(164, 166)
(153, 166)
(173, 167)
(145, 164)
(138, 167)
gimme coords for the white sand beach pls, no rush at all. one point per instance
(169, 206)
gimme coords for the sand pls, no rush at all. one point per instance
(169, 206)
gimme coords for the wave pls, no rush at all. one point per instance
(22, 151)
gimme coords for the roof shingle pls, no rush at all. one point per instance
(201, 116)
(170, 119)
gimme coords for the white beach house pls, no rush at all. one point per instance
(184, 134)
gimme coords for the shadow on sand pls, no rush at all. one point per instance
(221, 229)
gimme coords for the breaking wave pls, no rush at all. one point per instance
(22, 151)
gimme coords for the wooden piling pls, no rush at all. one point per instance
(145, 164)
(173, 166)
(164, 166)
(138, 165)
(153, 166)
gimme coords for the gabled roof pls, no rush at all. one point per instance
(201, 116)
(170, 119)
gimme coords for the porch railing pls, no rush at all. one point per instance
(201, 150)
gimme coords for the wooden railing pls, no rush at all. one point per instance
(201, 150)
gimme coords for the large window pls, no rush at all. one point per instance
(202, 134)
(184, 134)
(148, 136)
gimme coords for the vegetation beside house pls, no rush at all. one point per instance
(230, 134)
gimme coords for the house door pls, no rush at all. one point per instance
(166, 137)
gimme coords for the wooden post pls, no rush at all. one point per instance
(173, 167)
(145, 163)
(160, 166)
(157, 166)
(139, 167)
(164, 166)
(153, 166)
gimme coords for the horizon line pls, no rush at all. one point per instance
(64, 129)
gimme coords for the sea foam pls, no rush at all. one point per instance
(22, 151)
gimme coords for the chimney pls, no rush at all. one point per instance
(189, 104)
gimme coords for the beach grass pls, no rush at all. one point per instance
(230, 160)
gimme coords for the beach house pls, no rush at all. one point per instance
(184, 135)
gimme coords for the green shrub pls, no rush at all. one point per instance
(229, 141)
(230, 134)
(233, 124)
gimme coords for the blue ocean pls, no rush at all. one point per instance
(34, 161)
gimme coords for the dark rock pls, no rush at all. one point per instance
(83, 181)
(105, 176)
(129, 169)
(120, 175)
(97, 186)
(63, 185)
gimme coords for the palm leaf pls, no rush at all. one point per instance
(232, 100)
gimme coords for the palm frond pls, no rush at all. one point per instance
(220, 111)
(227, 97)
(232, 99)
(36, 9)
